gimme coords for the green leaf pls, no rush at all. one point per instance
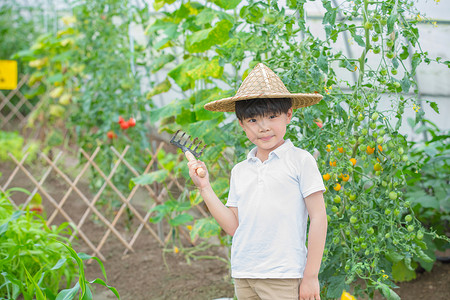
(156, 176)
(101, 282)
(203, 40)
(391, 22)
(226, 4)
(181, 219)
(402, 272)
(330, 17)
(59, 264)
(322, 62)
(359, 40)
(160, 62)
(38, 292)
(68, 294)
(434, 106)
(205, 228)
(387, 292)
(405, 54)
(206, 16)
(394, 256)
(336, 286)
(160, 88)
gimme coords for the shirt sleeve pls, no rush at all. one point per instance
(232, 196)
(310, 178)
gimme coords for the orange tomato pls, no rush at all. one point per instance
(353, 161)
(333, 163)
(345, 177)
(341, 149)
(337, 187)
(326, 177)
(328, 148)
(370, 150)
(380, 148)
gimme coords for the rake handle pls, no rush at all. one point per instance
(200, 171)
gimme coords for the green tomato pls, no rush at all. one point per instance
(392, 195)
(375, 116)
(376, 49)
(387, 235)
(419, 235)
(353, 219)
(400, 151)
(410, 228)
(337, 199)
(353, 209)
(368, 25)
(363, 245)
(370, 231)
(380, 140)
(375, 38)
(408, 218)
(334, 209)
(348, 232)
(387, 211)
(360, 117)
(396, 212)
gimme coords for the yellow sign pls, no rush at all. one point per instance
(8, 74)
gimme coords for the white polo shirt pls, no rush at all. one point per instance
(270, 239)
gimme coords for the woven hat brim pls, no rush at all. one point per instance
(298, 101)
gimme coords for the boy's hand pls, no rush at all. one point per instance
(197, 171)
(309, 289)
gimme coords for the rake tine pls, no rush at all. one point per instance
(201, 151)
(193, 143)
(175, 135)
(196, 147)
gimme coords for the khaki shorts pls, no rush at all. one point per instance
(267, 289)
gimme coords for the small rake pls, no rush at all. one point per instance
(189, 151)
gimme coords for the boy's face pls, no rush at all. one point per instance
(267, 133)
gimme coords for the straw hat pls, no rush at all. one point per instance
(262, 82)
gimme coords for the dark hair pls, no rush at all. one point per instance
(261, 107)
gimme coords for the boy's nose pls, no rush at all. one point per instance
(263, 127)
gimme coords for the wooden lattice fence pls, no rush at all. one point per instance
(15, 106)
(65, 194)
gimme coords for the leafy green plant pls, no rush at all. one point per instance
(427, 179)
(12, 142)
(37, 261)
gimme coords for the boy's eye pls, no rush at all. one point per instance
(273, 117)
(251, 120)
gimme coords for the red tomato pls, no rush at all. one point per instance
(124, 125)
(111, 135)
(121, 120)
(131, 122)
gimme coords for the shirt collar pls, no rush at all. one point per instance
(277, 152)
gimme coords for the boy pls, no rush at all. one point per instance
(271, 195)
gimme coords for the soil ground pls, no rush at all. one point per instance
(151, 273)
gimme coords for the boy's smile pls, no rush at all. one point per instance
(266, 133)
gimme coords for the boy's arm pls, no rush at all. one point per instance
(227, 217)
(310, 288)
